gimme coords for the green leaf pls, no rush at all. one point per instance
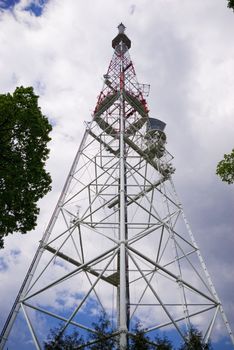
(225, 168)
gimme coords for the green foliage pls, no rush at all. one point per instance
(231, 4)
(194, 341)
(140, 341)
(163, 343)
(225, 168)
(59, 341)
(24, 134)
(102, 338)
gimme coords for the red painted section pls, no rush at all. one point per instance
(121, 80)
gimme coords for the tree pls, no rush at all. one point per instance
(194, 341)
(24, 134)
(140, 341)
(231, 4)
(225, 168)
(102, 339)
(163, 343)
(103, 336)
(59, 341)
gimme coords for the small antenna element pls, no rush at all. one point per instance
(121, 28)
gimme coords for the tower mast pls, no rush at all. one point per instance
(118, 241)
(123, 233)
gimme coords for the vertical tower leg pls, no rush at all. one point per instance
(123, 286)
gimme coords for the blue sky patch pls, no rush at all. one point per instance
(3, 265)
(8, 4)
(36, 6)
(15, 252)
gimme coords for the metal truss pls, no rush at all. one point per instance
(118, 240)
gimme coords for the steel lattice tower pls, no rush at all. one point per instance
(118, 239)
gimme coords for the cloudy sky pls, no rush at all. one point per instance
(184, 50)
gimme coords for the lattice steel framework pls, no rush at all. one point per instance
(118, 239)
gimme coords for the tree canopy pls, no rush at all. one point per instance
(194, 341)
(225, 168)
(141, 341)
(24, 134)
(104, 338)
(59, 341)
(231, 4)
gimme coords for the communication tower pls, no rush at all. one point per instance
(118, 240)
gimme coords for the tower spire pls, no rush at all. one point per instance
(121, 28)
(121, 38)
